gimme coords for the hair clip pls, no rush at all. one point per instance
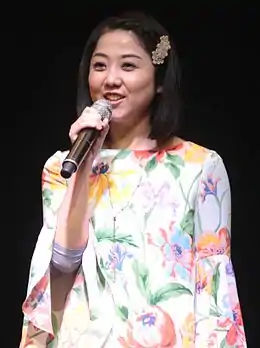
(161, 51)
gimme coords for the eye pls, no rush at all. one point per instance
(99, 66)
(128, 66)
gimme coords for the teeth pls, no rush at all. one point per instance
(113, 97)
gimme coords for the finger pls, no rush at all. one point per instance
(83, 124)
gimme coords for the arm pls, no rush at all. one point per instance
(72, 230)
(218, 315)
(73, 214)
(41, 296)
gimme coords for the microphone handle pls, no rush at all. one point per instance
(79, 151)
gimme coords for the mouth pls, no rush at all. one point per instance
(114, 98)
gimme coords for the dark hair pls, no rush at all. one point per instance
(165, 108)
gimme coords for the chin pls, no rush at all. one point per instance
(117, 117)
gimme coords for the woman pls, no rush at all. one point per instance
(135, 246)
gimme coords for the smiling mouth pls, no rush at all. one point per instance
(113, 97)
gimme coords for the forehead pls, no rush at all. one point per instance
(120, 41)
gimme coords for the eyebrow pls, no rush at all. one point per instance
(129, 55)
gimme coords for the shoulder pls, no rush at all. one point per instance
(195, 160)
(194, 153)
(51, 169)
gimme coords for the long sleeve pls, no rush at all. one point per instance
(219, 320)
(37, 305)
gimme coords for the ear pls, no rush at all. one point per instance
(159, 89)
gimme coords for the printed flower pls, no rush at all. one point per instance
(152, 328)
(51, 177)
(103, 181)
(214, 243)
(195, 153)
(209, 187)
(235, 335)
(203, 280)
(116, 257)
(145, 197)
(100, 168)
(176, 249)
(187, 331)
(158, 155)
(229, 269)
(37, 294)
(99, 184)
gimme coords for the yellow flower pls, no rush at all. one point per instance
(100, 184)
(195, 153)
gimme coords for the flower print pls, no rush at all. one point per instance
(203, 280)
(229, 269)
(37, 294)
(152, 327)
(99, 184)
(209, 187)
(145, 197)
(103, 180)
(212, 243)
(100, 168)
(187, 331)
(51, 177)
(149, 159)
(235, 335)
(116, 257)
(158, 155)
(195, 153)
(176, 249)
(163, 193)
(32, 337)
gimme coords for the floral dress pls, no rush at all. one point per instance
(157, 270)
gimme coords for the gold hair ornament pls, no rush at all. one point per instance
(161, 51)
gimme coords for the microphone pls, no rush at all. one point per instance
(84, 141)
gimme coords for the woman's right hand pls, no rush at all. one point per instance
(90, 118)
(73, 217)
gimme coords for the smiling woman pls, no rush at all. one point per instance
(122, 71)
(135, 249)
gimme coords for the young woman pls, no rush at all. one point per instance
(135, 246)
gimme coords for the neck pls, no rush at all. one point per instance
(134, 137)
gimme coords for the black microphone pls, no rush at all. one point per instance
(84, 141)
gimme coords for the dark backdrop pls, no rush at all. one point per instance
(42, 45)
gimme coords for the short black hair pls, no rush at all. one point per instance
(166, 106)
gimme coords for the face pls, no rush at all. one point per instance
(122, 72)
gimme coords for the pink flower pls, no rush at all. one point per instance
(152, 328)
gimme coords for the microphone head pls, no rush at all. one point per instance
(104, 108)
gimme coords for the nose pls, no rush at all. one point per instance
(113, 78)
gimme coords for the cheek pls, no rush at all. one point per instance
(143, 88)
(94, 82)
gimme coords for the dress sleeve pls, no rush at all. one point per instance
(37, 322)
(219, 320)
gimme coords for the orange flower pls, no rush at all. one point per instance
(51, 177)
(153, 328)
(235, 334)
(101, 183)
(214, 243)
